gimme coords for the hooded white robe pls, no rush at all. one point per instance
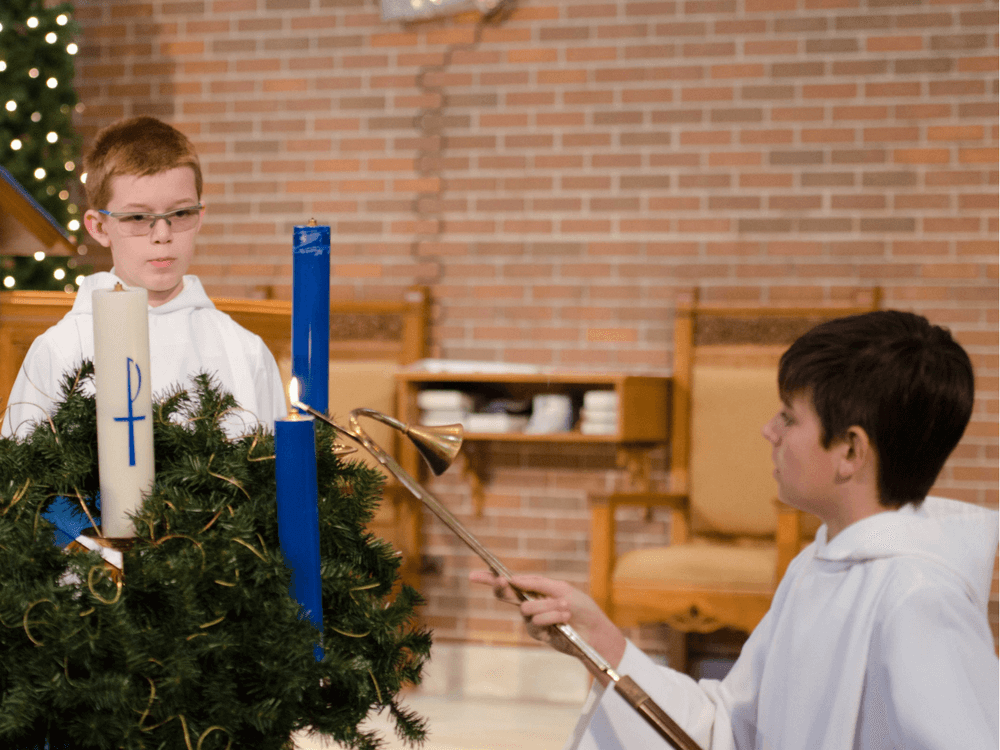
(875, 640)
(187, 336)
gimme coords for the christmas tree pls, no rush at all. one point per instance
(38, 144)
(201, 645)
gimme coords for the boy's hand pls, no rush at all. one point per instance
(559, 603)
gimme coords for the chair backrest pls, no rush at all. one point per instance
(369, 342)
(23, 317)
(725, 389)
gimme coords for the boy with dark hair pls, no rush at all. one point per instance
(906, 383)
(144, 186)
(877, 636)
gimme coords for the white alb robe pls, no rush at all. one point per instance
(875, 640)
(187, 336)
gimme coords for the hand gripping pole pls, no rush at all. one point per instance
(439, 457)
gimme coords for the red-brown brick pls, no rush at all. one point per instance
(557, 177)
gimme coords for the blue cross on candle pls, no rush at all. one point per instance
(131, 418)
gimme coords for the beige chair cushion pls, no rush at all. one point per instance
(696, 565)
(368, 384)
(732, 488)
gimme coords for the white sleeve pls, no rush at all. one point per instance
(703, 709)
(718, 715)
(933, 674)
(256, 381)
(270, 390)
(37, 387)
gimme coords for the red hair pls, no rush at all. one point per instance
(139, 147)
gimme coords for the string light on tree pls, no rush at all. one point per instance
(38, 143)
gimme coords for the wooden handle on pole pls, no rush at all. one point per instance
(636, 697)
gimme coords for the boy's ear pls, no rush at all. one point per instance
(95, 226)
(855, 452)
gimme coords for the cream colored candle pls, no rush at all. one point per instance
(124, 405)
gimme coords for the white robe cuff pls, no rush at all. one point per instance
(608, 722)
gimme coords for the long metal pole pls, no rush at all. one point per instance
(634, 695)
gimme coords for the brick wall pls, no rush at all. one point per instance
(557, 176)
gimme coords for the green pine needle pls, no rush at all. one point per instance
(203, 642)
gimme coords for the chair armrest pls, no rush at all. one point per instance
(649, 500)
(602, 533)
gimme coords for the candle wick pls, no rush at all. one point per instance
(119, 287)
(312, 222)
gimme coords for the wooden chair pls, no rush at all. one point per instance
(730, 538)
(369, 342)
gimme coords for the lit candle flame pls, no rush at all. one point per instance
(293, 391)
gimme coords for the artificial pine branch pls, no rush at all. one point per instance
(203, 642)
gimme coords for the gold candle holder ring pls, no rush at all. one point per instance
(97, 543)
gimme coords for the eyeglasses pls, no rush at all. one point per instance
(137, 224)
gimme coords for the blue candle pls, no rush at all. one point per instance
(311, 313)
(298, 512)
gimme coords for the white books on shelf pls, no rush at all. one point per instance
(434, 398)
(600, 400)
(495, 423)
(599, 415)
(598, 428)
(436, 417)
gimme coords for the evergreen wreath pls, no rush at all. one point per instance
(202, 648)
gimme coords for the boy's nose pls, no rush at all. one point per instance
(160, 231)
(769, 432)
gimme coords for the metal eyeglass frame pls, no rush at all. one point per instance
(153, 217)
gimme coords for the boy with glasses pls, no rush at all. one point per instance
(144, 188)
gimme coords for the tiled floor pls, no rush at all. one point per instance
(477, 697)
(489, 698)
(478, 724)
